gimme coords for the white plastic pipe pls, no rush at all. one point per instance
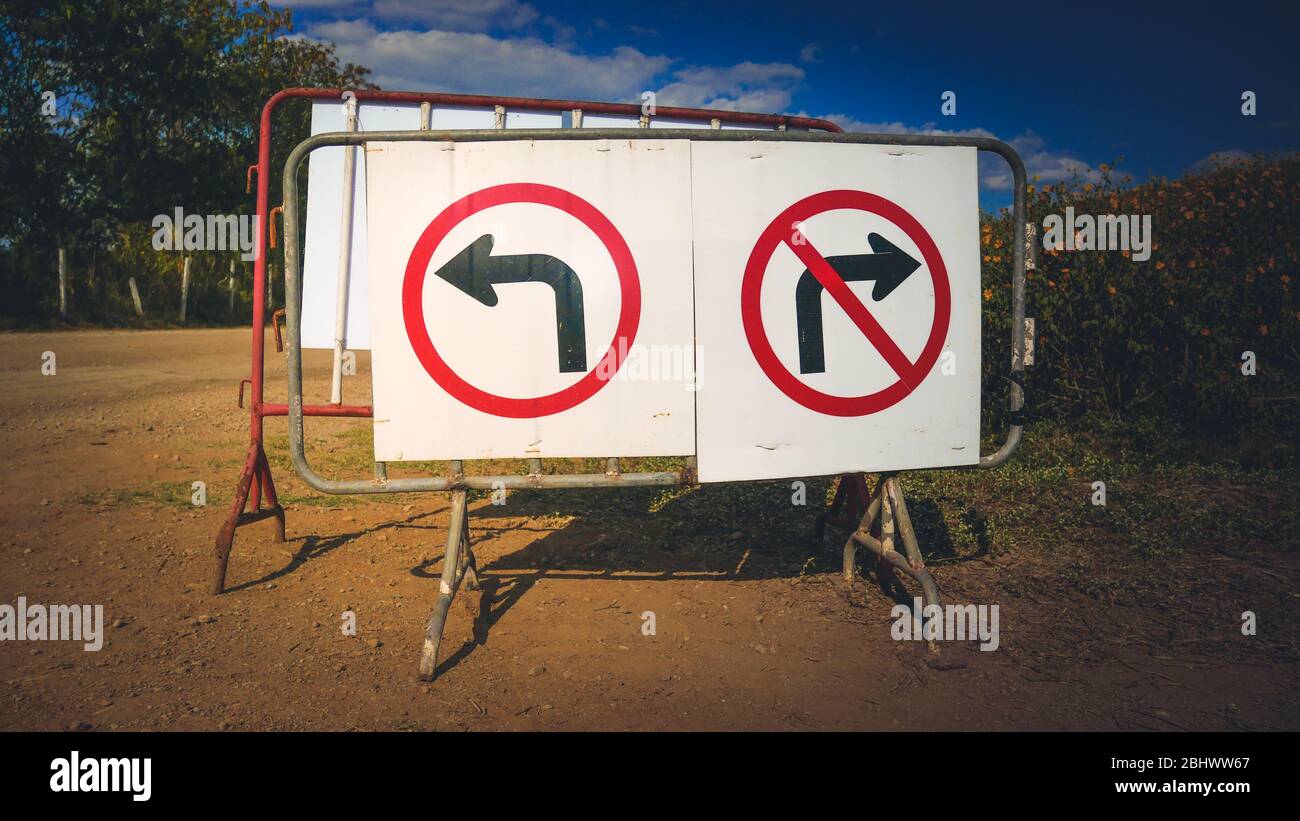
(345, 253)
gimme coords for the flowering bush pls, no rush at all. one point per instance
(1159, 345)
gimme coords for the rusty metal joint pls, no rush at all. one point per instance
(276, 319)
(271, 219)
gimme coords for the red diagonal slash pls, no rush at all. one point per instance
(847, 300)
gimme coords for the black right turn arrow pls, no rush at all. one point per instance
(888, 267)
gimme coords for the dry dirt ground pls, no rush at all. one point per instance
(753, 628)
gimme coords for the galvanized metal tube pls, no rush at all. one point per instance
(863, 532)
(896, 560)
(1016, 390)
(1016, 400)
(904, 522)
(452, 573)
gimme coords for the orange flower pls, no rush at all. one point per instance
(1263, 330)
(1160, 266)
(1111, 289)
(1188, 214)
(988, 294)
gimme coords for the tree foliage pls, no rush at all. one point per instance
(157, 107)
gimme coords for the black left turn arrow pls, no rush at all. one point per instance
(889, 266)
(474, 271)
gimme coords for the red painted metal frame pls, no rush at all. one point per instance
(255, 479)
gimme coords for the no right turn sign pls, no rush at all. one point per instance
(830, 280)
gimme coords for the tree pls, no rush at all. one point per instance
(157, 107)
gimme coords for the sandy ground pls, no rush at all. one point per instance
(753, 628)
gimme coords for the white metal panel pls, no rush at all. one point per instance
(325, 203)
(748, 427)
(629, 121)
(449, 117)
(509, 349)
(324, 210)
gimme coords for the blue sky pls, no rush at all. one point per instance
(1071, 85)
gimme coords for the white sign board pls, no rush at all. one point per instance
(530, 299)
(778, 309)
(325, 208)
(837, 308)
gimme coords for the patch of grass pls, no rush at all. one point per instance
(161, 494)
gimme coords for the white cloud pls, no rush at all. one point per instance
(1044, 163)
(458, 15)
(808, 53)
(762, 87)
(449, 15)
(317, 4)
(1040, 161)
(436, 60)
(440, 60)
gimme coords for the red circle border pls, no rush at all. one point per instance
(751, 291)
(413, 300)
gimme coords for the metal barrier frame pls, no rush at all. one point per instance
(884, 515)
(886, 512)
(535, 479)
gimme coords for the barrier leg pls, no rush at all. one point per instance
(253, 480)
(456, 564)
(272, 501)
(894, 518)
(468, 564)
(870, 525)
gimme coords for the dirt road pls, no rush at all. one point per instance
(752, 628)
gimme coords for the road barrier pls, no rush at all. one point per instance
(746, 330)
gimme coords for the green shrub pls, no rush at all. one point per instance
(1154, 349)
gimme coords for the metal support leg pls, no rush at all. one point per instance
(888, 504)
(851, 546)
(253, 480)
(468, 564)
(456, 564)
